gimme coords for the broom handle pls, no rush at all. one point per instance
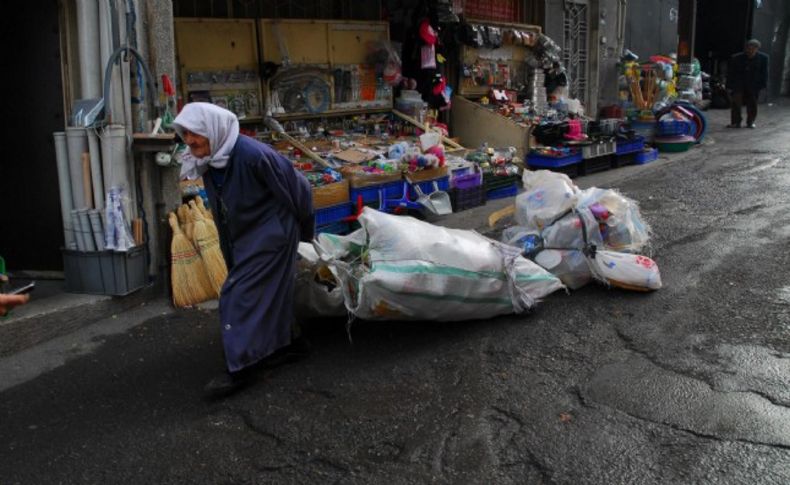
(86, 180)
(425, 128)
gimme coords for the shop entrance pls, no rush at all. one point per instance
(31, 232)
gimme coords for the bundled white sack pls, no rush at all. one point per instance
(399, 268)
(547, 195)
(628, 271)
(313, 298)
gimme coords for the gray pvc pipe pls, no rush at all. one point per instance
(64, 185)
(105, 39)
(77, 224)
(88, 45)
(97, 228)
(87, 232)
(113, 150)
(96, 169)
(76, 144)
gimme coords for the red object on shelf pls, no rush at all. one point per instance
(167, 86)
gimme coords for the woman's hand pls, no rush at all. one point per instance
(7, 302)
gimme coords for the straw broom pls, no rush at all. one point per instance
(189, 222)
(207, 243)
(207, 217)
(188, 275)
(203, 210)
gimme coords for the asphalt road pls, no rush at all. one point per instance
(690, 384)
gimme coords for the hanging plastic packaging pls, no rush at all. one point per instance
(116, 229)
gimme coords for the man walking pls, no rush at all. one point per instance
(747, 75)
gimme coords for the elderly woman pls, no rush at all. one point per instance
(263, 208)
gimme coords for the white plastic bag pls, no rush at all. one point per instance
(412, 270)
(625, 230)
(547, 195)
(628, 271)
(311, 298)
(570, 266)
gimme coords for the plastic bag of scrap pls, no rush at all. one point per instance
(399, 268)
(627, 271)
(547, 195)
(568, 232)
(316, 293)
(620, 221)
(569, 265)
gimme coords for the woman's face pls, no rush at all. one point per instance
(198, 145)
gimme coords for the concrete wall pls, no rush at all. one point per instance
(652, 27)
(770, 26)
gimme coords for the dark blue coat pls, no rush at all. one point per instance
(747, 75)
(263, 207)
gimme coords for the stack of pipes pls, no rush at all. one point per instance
(93, 164)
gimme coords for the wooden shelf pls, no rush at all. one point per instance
(145, 142)
(332, 113)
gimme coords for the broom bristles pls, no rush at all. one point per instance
(189, 223)
(203, 209)
(208, 245)
(208, 219)
(189, 279)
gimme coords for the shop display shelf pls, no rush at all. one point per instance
(502, 192)
(630, 146)
(333, 214)
(463, 199)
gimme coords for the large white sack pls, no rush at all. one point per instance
(311, 298)
(399, 268)
(547, 195)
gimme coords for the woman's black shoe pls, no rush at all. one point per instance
(226, 384)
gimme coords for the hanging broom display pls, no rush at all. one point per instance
(188, 276)
(207, 243)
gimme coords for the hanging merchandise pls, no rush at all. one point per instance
(427, 32)
(116, 227)
(428, 57)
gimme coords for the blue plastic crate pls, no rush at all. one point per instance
(335, 213)
(427, 187)
(545, 161)
(648, 155)
(339, 228)
(635, 145)
(674, 128)
(392, 190)
(503, 192)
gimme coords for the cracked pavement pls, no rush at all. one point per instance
(690, 384)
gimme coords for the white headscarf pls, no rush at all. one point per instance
(219, 125)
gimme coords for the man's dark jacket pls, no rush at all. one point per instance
(747, 75)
